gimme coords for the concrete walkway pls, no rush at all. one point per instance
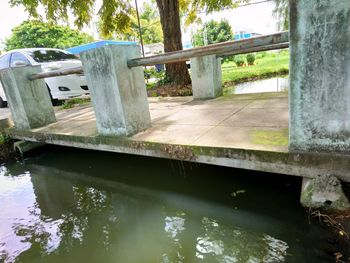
(250, 121)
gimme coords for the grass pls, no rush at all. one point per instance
(71, 103)
(267, 64)
(3, 139)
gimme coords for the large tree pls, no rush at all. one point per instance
(39, 34)
(116, 15)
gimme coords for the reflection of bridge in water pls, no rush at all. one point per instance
(75, 214)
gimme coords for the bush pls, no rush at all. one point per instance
(227, 59)
(261, 55)
(239, 61)
(250, 59)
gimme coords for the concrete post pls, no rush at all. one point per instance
(319, 75)
(323, 192)
(28, 100)
(206, 77)
(118, 93)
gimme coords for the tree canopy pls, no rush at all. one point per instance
(39, 34)
(150, 26)
(116, 16)
(213, 32)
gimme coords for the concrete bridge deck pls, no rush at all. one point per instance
(247, 131)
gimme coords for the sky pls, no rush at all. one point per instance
(257, 18)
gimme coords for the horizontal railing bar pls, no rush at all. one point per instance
(256, 49)
(215, 49)
(57, 73)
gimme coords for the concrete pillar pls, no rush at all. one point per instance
(206, 77)
(319, 75)
(28, 100)
(118, 93)
(323, 192)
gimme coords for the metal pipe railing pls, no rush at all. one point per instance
(229, 47)
(255, 44)
(57, 73)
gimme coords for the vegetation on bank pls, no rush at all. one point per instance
(6, 148)
(266, 64)
(71, 103)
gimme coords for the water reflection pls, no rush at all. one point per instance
(52, 215)
(266, 85)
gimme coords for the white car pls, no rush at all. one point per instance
(60, 88)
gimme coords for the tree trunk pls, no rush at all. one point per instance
(170, 20)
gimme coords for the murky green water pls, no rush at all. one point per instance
(80, 206)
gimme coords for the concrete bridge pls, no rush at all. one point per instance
(304, 132)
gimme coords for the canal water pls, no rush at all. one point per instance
(280, 84)
(69, 205)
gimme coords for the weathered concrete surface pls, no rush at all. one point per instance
(23, 147)
(323, 192)
(320, 75)
(5, 113)
(243, 131)
(118, 93)
(29, 101)
(206, 77)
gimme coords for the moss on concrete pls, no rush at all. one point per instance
(292, 163)
(268, 137)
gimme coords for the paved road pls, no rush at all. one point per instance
(4, 113)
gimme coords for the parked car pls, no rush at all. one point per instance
(60, 88)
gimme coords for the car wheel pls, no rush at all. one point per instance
(53, 101)
(3, 104)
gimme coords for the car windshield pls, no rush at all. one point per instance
(43, 55)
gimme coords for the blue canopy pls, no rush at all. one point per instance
(78, 49)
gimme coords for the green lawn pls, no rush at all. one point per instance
(273, 63)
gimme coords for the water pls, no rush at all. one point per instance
(265, 85)
(82, 206)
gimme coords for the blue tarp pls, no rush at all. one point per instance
(76, 50)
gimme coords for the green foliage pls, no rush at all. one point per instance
(239, 61)
(227, 59)
(260, 55)
(281, 12)
(213, 32)
(71, 103)
(191, 7)
(269, 65)
(39, 34)
(152, 73)
(250, 59)
(4, 139)
(150, 24)
(151, 28)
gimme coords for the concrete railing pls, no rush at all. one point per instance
(116, 82)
